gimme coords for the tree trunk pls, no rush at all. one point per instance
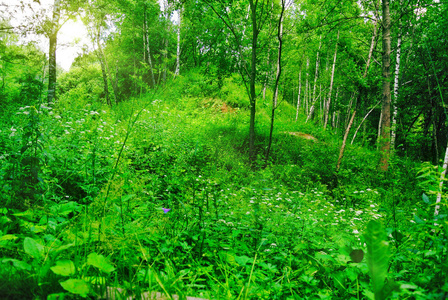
(385, 122)
(105, 81)
(177, 71)
(53, 36)
(396, 86)
(151, 69)
(147, 50)
(277, 78)
(105, 66)
(298, 96)
(306, 96)
(344, 141)
(327, 106)
(266, 79)
(313, 105)
(253, 75)
(365, 117)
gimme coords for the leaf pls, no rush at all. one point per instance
(425, 199)
(76, 286)
(18, 264)
(243, 260)
(339, 280)
(8, 237)
(377, 256)
(33, 248)
(357, 255)
(398, 236)
(64, 268)
(418, 220)
(100, 262)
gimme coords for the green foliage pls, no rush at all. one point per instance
(286, 231)
(378, 256)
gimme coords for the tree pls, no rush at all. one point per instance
(277, 77)
(259, 13)
(386, 96)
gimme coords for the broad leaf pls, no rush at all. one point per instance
(377, 256)
(64, 268)
(18, 264)
(76, 286)
(243, 260)
(100, 262)
(33, 248)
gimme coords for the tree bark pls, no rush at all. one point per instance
(365, 117)
(327, 106)
(396, 87)
(306, 96)
(313, 105)
(253, 75)
(386, 98)
(151, 69)
(177, 71)
(298, 96)
(344, 141)
(105, 81)
(53, 36)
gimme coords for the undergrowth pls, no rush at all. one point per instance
(156, 195)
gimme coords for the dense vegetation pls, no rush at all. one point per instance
(141, 171)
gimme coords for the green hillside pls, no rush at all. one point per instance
(86, 188)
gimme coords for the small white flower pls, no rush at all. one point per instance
(355, 231)
(358, 212)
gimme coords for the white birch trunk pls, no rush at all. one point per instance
(396, 86)
(177, 71)
(298, 96)
(327, 107)
(365, 117)
(306, 85)
(310, 115)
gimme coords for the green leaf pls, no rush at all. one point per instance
(76, 286)
(33, 248)
(100, 262)
(8, 237)
(18, 264)
(377, 256)
(64, 268)
(425, 198)
(418, 220)
(243, 260)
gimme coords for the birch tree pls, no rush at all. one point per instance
(52, 32)
(316, 74)
(328, 103)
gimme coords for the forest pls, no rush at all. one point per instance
(224, 149)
